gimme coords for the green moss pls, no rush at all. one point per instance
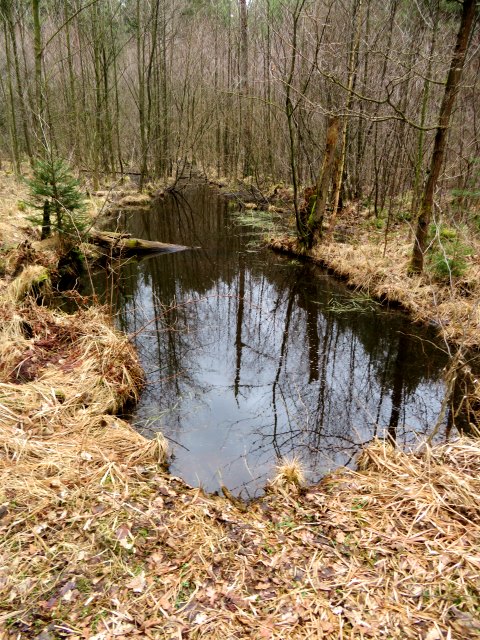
(60, 396)
(131, 243)
(83, 585)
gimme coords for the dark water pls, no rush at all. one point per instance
(251, 356)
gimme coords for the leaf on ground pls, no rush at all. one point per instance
(124, 536)
(137, 583)
(340, 537)
(200, 618)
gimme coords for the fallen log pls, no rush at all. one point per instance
(123, 243)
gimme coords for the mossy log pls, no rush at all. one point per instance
(123, 243)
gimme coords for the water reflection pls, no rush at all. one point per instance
(247, 360)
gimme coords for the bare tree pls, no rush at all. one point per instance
(451, 90)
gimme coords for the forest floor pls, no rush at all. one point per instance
(99, 541)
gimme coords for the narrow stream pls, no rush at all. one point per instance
(251, 356)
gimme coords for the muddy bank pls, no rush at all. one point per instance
(363, 265)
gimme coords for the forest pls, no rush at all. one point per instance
(245, 89)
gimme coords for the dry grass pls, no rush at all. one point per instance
(13, 220)
(135, 200)
(96, 545)
(289, 474)
(454, 309)
(33, 279)
(61, 378)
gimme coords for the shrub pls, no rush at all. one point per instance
(448, 259)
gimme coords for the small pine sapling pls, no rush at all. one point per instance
(55, 192)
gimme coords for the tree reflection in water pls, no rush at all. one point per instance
(246, 359)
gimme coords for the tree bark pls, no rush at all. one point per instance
(289, 112)
(423, 117)
(13, 121)
(20, 90)
(46, 224)
(37, 43)
(352, 75)
(245, 124)
(318, 201)
(451, 89)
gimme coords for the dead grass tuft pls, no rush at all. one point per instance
(289, 474)
(33, 280)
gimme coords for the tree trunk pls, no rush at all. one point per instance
(352, 76)
(12, 119)
(46, 225)
(164, 93)
(423, 117)
(70, 89)
(451, 89)
(245, 124)
(318, 201)
(289, 112)
(37, 43)
(20, 91)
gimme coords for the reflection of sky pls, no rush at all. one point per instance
(231, 406)
(226, 439)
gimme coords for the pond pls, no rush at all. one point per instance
(251, 357)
